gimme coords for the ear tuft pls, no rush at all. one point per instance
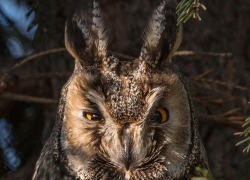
(85, 35)
(161, 37)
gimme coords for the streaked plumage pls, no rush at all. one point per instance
(128, 142)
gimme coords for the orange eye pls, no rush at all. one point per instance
(161, 115)
(93, 116)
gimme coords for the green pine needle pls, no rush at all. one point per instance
(246, 134)
(188, 9)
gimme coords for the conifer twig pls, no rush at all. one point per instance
(246, 134)
(188, 9)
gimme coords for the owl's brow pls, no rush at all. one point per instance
(97, 99)
(154, 97)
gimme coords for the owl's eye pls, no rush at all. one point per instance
(93, 116)
(161, 115)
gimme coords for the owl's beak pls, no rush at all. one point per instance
(126, 141)
(127, 161)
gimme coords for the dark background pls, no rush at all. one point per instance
(220, 84)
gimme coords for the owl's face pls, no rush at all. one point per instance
(127, 120)
(121, 125)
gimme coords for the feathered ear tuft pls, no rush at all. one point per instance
(85, 35)
(162, 36)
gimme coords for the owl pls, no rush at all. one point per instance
(123, 120)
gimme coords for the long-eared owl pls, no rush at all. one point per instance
(118, 119)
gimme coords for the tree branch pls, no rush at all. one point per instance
(56, 50)
(221, 83)
(25, 98)
(192, 53)
(44, 75)
(26, 60)
(234, 122)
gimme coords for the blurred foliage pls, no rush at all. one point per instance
(16, 33)
(205, 174)
(21, 134)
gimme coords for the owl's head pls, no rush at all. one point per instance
(127, 119)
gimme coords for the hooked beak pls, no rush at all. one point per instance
(126, 141)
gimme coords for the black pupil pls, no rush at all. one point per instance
(158, 116)
(95, 117)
